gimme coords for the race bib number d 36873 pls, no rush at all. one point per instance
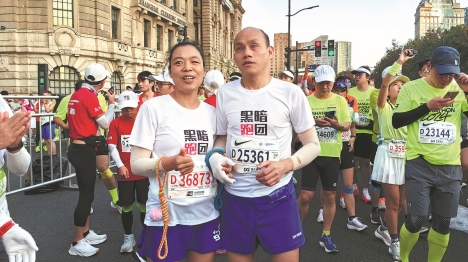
(436, 132)
(198, 183)
(248, 153)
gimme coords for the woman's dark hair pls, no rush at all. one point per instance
(186, 43)
(78, 84)
(342, 78)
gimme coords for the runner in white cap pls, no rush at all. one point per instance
(287, 76)
(164, 83)
(213, 80)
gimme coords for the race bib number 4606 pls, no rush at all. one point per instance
(436, 132)
(248, 153)
(198, 183)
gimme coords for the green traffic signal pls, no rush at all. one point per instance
(41, 80)
(331, 52)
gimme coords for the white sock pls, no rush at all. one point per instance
(365, 191)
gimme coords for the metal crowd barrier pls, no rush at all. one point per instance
(17, 184)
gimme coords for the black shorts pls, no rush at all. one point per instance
(373, 152)
(363, 145)
(325, 168)
(464, 143)
(102, 150)
(128, 190)
(347, 158)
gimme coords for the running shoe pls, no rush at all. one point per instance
(94, 239)
(320, 216)
(375, 217)
(220, 252)
(116, 207)
(355, 190)
(37, 149)
(128, 244)
(342, 203)
(423, 230)
(83, 249)
(327, 243)
(137, 257)
(366, 197)
(384, 235)
(356, 224)
(382, 205)
(394, 249)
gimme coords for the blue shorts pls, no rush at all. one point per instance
(271, 221)
(204, 238)
(48, 132)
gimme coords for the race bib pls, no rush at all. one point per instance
(44, 119)
(346, 136)
(436, 132)
(327, 134)
(248, 153)
(198, 183)
(124, 140)
(363, 120)
(397, 148)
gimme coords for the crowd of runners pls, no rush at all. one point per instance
(216, 177)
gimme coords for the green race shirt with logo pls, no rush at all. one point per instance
(435, 136)
(363, 99)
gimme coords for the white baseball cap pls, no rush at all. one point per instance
(128, 99)
(324, 73)
(213, 80)
(360, 70)
(163, 77)
(96, 73)
(288, 73)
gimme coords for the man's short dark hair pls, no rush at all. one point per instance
(4, 93)
(129, 87)
(93, 83)
(78, 84)
(366, 67)
(422, 63)
(267, 38)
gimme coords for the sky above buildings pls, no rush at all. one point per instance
(369, 24)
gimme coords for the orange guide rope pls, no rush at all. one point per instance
(164, 209)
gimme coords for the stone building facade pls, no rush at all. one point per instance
(126, 36)
(434, 14)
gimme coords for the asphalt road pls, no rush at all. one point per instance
(49, 219)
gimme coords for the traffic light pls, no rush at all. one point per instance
(318, 48)
(331, 47)
(42, 78)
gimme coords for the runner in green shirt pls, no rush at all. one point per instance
(431, 108)
(332, 117)
(363, 144)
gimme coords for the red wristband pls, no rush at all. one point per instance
(6, 227)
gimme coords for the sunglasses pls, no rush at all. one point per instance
(342, 84)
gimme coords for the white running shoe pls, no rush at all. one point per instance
(320, 216)
(116, 207)
(82, 249)
(365, 196)
(356, 224)
(384, 235)
(342, 203)
(94, 238)
(129, 243)
(394, 249)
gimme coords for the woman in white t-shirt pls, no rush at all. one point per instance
(170, 139)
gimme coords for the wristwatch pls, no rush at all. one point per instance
(341, 128)
(12, 149)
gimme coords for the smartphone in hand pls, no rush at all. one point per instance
(451, 94)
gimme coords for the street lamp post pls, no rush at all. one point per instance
(289, 29)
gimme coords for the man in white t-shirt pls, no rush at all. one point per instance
(255, 120)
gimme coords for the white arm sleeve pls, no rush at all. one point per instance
(304, 87)
(105, 120)
(115, 155)
(142, 163)
(309, 151)
(18, 163)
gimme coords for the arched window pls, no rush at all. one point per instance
(116, 83)
(62, 80)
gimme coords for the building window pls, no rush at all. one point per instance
(62, 80)
(116, 83)
(196, 32)
(170, 35)
(115, 22)
(174, 6)
(163, 1)
(159, 34)
(63, 12)
(146, 32)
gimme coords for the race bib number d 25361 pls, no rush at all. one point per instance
(248, 153)
(437, 132)
(198, 183)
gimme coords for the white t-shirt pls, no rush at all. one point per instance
(164, 127)
(258, 125)
(4, 107)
